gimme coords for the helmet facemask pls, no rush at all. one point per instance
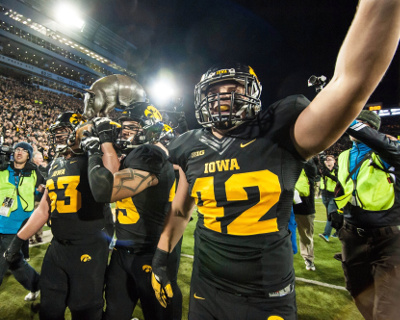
(129, 135)
(60, 138)
(140, 124)
(226, 98)
(62, 134)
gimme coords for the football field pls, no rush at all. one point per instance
(320, 293)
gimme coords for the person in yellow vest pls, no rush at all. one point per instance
(370, 236)
(19, 182)
(304, 212)
(327, 185)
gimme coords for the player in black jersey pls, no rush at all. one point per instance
(143, 190)
(241, 168)
(74, 265)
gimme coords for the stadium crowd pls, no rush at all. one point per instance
(26, 112)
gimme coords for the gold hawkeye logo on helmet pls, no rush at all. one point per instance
(75, 118)
(152, 112)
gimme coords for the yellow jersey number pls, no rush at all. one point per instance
(127, 212)
(248, 222)
(65, 198)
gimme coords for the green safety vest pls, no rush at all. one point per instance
(373, 189)
(26, 190)
(327, 183)
(303, 185)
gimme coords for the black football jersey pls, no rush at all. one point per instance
(140, 219)
(243, 186)
(75, 215)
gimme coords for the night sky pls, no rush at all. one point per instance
(285, 41)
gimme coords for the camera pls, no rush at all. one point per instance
(322, 156)
(6, 150)
(317, 82)
(5, 154)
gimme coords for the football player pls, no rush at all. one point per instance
(74, 265)
(143, 190)
(241, 169)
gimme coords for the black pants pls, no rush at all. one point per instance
(73, 276)
(129, 279)
(371, 265)
(210, 303)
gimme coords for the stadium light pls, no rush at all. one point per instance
(163, 89)
(69, 16)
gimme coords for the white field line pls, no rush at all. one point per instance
(318, 283)
(47, 237)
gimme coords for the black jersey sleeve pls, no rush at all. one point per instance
(100, 176)
(178, 148)
(284, 114)
(149, 158)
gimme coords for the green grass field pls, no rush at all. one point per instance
(320, 294)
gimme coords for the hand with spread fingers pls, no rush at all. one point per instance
(106, 129)
(159, 278)
(90, 144)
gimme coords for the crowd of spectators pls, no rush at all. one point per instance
(26, 113)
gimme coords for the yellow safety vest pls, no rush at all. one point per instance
(303, 185)
(26, 190)
(373, 189)
(330, 184)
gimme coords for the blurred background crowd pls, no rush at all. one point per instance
(26, 112)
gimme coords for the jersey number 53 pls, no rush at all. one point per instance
(63, 194)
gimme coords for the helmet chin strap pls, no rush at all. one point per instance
(76, 152)
(66, 150)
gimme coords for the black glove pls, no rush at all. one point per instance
(159, 278)
(90, 144)
(106, 129)
(13, 254)
(336, 220)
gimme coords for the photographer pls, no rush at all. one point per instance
(19, 183)
(370, 236)
(328, 170)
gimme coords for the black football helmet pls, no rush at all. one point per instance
(167, 134)
(244, 105)
(148, 127)
(60, 138)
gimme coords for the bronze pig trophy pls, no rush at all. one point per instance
(109, 92)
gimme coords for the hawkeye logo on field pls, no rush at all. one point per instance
(221, 165)
(85, 258)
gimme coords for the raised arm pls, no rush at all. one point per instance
(363, 59)
(110, 157)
